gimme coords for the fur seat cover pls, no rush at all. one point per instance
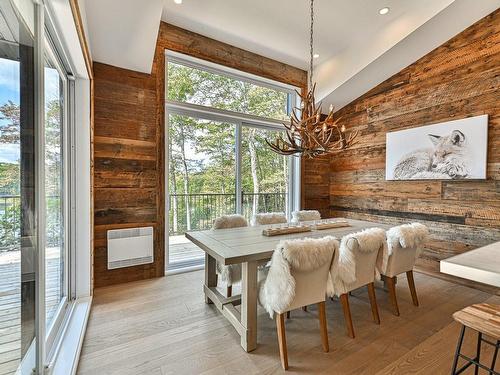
(277, 290)
(305, 215)
(232, 273)
(269, 218)
(405, 236)
(343, 269)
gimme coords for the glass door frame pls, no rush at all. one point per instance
(201, 113)
(53, 328)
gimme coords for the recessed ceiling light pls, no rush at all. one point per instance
(316, 55)
(178, 1)
(384, 10)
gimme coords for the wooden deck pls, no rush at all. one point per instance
(10, 304)
(183, 252)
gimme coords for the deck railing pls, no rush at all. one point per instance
(10, 222)
(198, 211)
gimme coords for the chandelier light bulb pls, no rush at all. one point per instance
(342, 129)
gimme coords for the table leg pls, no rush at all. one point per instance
(249, 305)
(210, 274)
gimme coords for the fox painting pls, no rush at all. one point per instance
(447, 159)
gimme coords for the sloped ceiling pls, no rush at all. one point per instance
(358, 47)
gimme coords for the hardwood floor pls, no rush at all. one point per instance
(163, 326)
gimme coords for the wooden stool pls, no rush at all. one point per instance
(484, 318)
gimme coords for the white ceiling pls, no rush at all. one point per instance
(358, 47)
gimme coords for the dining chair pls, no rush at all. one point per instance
(305, 215)
(231, 274)
(353, 267)
(269, 218)
(297, 277)
(404, 245)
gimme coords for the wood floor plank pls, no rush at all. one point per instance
(163, 326)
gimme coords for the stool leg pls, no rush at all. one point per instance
(457, 352)
(494, 360)
(478, 352)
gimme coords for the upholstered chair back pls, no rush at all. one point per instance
(297, 274)
(230, 221)
(269, 218)
(305, 215)
(404, 244)
(355, 264)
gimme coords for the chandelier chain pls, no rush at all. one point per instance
(311, 45)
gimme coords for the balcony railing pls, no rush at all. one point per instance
(10, 221)
(198, 211)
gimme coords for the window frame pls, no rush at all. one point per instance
(239, 119)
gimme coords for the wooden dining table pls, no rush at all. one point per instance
(249, 247)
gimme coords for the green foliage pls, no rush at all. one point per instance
(10, 226)
(9, 179)
(202, 152)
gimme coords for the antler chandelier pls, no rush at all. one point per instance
(308, 134)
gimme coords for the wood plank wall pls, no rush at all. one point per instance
(459, 79)
(129, 136)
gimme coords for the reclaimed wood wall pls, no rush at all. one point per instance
(129, 139)
(459, 79)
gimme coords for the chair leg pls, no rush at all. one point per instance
(229, 291)
(280, 329)
(344, 299)
(373, 302)
(391, 286)
(457, 351)
(478, 352)
(323, 327)
(411, 284)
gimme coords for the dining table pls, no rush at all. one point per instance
(249, 247)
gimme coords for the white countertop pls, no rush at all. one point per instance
(481, 265)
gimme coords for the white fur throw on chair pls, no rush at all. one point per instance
(406, 236)
(305, 215)
(230, 221)
(277, 291)
(343, 269)
(232, 273)
(269, 218)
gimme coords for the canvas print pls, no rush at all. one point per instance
(448, 150)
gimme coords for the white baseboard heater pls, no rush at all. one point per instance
(130, 247)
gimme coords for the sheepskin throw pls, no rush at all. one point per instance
(277, 290)
(230, 221)
(405, 236)
(269, 218)
(343, 269)
(305, 215)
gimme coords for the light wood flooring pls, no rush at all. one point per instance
(163, 326)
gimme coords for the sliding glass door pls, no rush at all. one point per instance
(201, 182)
(18, 170)
(33, 186)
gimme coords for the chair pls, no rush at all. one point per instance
(305, 215)
(297, 277)
(353, 267)
(231, 274)
(404, 244)
(269, 218)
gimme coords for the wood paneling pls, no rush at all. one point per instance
(129, 143)
(128, 166)
(459, 79)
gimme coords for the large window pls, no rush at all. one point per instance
(34, 114)
(218, 160)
